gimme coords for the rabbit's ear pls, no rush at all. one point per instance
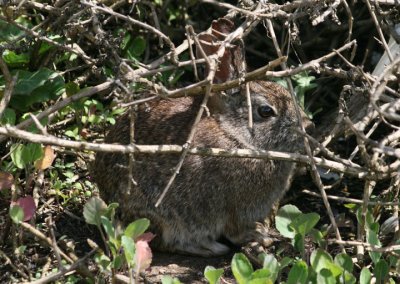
(232, 63)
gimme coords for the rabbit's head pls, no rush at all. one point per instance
(272, 107)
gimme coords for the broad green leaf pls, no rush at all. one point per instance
(9, 32)
(32, 152)
(347, 278)
(34, 87)
(103, 261)
(321, 259)
(284, 218)
(325, 276)
(344, 261)
(17, 155)
(381, 271)
(136, 47)
(14, 60)
(304, 223)
(317, 237)
(93, 210)
(169, 280)
(286, 261)
(369, 220)
(299, 242)
(136, 228)
(127, 38)
(117, 262)
(212, 274)
(129, 250)
(372, 238)
(272, 265)
(28, 207)
(8, 117)
(110, 210)
(241, 268)
(16, 214)
(108, 227)
(263, 280)
(262, 273)
(298, 274)
(71, 88)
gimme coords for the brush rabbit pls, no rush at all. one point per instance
(211, 197)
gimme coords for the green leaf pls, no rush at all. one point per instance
(127, 38)
(21, 155)
(347, 278)
(35, 87)
(129, 250)
(137, 228)
(299, 242)
(317, 237)
(9, 32)
(17, 155)
(136, 48)
(369, 220)
(110, 211)
(16, 214)
(284, 218)
(212, 274)
(117, 262)
(263, 280)
(169, 280)
(32, 152)
(262, 273)
(108, 227)
(320, 259)
(93, 210)
(298, 274)
(381, 271)
(372, 238)
(344, 261)
(241, 268)
(325, 276)
(13, 59)
(8, 117)
(272, 265)
(304, 223)
(103, 261)
(286, 261)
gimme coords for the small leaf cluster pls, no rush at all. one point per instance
(124, 249)
(320, 267)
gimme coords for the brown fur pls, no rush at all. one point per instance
(212, 197)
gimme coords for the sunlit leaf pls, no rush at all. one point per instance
(16, 214)
(212, 274)
(241, 268)
(47, 159)
(93, 210)
(284, 218)
(298, 273)
(137, 228)
(143, 256)
(28, 206)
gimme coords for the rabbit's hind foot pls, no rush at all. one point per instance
(209, 248)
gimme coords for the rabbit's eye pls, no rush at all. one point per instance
(265, 111)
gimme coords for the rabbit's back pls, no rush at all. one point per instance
(211, 196)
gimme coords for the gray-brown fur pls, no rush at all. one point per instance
(212, 197)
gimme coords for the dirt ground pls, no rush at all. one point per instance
(187, 269)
